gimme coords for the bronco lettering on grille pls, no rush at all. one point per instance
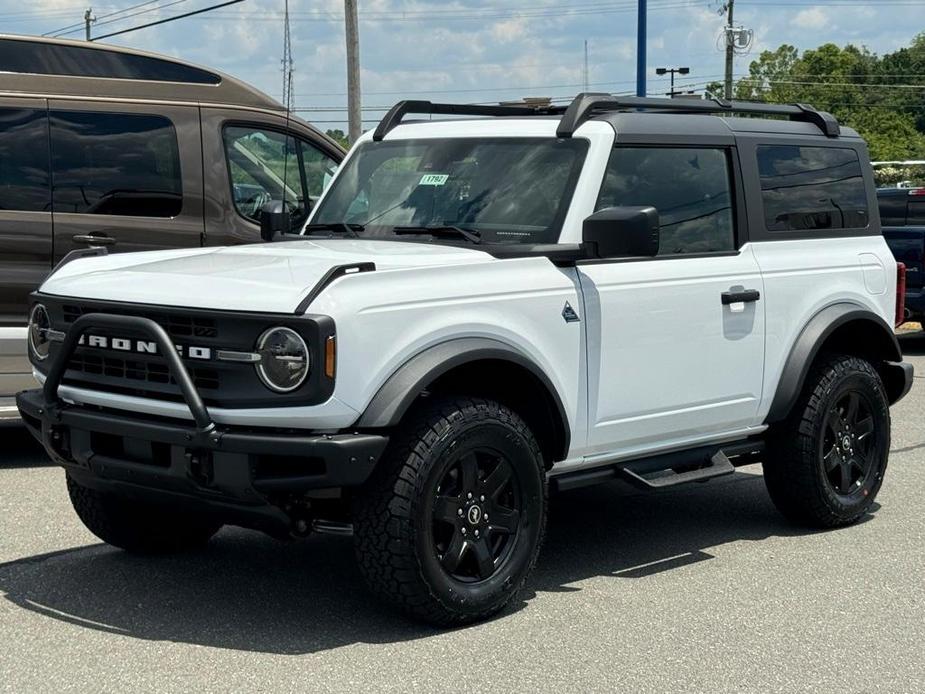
(123, 344)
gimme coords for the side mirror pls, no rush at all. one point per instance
(275, 220)
(622, 232)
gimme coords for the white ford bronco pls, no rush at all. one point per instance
(481, 310)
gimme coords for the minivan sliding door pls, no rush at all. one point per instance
(126, 176)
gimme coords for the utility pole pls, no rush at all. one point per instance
(730, 46)
(586, 65)
(354, 117)
(88, 20)
(641, 50)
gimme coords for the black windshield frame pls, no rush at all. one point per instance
(333, 205)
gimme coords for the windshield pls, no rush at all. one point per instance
(512, 190)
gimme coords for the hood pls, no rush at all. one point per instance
(269, 278)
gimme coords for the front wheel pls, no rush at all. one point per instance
(451, 522)
(828, 459)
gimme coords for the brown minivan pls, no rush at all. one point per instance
(101, 145)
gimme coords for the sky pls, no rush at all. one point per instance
(466, 51)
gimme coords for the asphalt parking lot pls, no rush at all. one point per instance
(702, 589)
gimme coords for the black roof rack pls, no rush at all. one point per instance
(402, 108)
(587, 105)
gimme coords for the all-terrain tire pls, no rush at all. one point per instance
(820, 471)
(409, 546)
(136, 527)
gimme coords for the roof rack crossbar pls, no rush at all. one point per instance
(588, 104)
(403, 108)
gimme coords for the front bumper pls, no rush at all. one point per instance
(245, 476)
(240, 475)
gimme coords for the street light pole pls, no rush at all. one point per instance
(641, 50)
(660, 71)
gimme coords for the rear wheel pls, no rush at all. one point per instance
(828, 459)
(136, 527)
(451, 523)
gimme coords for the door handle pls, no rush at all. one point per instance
(740, 296)
(94, 239)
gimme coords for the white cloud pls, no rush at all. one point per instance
(811, 18)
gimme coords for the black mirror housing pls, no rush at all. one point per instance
(275, 220)
(622, 232)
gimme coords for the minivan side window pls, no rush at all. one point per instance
(115, 164)
(690, 187)
(319, 169)
(24, 180)
(810, 188)
(263, 164)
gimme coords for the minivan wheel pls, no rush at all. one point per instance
(828, 459)
(451, 523)
(140, 528)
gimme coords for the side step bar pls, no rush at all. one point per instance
(668, 469)
(719, 466)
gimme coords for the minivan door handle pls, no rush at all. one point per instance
(94, 239)
(740, 296)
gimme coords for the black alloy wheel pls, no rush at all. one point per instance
(476, 515)
(848, 446)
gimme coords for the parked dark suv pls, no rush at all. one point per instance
(102, 145)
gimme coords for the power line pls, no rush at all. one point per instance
(168, 19)
(127, 16)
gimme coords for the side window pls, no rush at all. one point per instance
(115, 164)
(319, 169)
(806, 188)
(690, 188)
(24, 183)
(264, 167)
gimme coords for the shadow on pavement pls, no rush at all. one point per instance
(249, 592)
(19, 449)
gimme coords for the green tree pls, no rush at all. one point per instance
(338, 136)
(866, 92)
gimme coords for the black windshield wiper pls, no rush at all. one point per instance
(442, 230)
(342, 227)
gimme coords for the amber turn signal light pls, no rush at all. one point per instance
(330, 356)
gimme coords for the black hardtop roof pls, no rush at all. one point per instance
(635, 114)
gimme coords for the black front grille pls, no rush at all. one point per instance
(177, 326)
(145, 371)
(221, 383)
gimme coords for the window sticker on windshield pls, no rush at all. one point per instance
(433, 179)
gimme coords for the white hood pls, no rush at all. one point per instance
(270, 278)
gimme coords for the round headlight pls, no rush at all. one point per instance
(39, 325)
(284, 359)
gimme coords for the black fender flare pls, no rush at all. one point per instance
(392, 400)
(810, 341)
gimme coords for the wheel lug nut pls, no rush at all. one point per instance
(486, 516)
(476, 533)
(469, 495)
(482, 498)
(459, 512)
(463, 531)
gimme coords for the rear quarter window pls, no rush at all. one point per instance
(805, 188)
